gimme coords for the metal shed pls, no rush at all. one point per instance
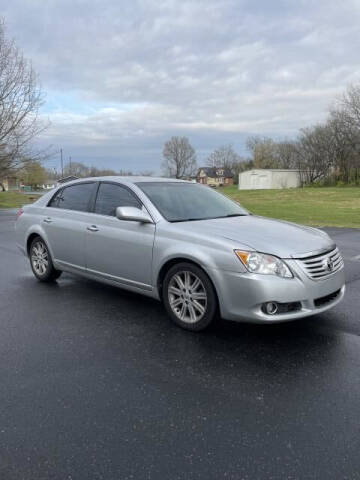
(269, 178)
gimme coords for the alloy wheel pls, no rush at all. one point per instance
(187, 296)
(40, 258)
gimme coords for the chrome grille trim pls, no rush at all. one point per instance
(315, 266)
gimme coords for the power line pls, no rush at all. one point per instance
(62, 163)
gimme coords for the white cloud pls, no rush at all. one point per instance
(132, 73)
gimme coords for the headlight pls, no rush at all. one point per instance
(265, 264)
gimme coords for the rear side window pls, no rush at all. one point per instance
(76, 197)
(111, 196)
(54, 201)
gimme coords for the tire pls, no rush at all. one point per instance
(41, 262)
(182, 283)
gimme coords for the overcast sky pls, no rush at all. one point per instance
(122, 76)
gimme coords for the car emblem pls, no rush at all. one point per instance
(329, 264)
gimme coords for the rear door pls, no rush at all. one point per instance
(65, 221)
(117, 249)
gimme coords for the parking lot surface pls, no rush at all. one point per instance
(96, 383)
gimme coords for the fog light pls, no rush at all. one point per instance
(271, 308)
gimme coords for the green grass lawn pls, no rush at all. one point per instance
(332, 207)
(15, 199)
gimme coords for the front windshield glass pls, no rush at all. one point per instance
(182, 202)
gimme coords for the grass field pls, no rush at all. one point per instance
(333, 207)
(15, 199)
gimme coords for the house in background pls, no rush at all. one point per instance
(215, 176)
(258, 179)
(49, 184)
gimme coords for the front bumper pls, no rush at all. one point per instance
(241, 295)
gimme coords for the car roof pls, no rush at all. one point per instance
(126, 179)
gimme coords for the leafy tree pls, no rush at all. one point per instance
(33, 174)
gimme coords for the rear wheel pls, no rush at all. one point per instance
(189, 297)
(41, 263)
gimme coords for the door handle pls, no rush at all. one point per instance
(47, 220)
(93, 228)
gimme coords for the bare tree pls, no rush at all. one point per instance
(286, 154)
(179, 158)
(146, 173)
(102, 172)
(327, 152)
(315, 153)
(350, 105)
(77, 169)
(81, 170)
(223, 156)
(20, 99)
(344, 146)
(345, 121)
(226, 157)
(264, 152)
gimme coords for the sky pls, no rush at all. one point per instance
(120, 77)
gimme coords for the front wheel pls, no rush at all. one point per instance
(41, 263)
(189, 297)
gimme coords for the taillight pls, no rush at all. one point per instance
(19, 213)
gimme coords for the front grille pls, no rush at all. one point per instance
(289, 307)
(319, 267)
(319, 302)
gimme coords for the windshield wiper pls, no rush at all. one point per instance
(188, 220)
(209, 218)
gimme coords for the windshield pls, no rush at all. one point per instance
(182, 202)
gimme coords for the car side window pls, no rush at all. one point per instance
(76, 197)
(55, 199)
(111, 196)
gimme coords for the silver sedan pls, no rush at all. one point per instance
(185, 244)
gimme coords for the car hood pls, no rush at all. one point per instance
(277, 237)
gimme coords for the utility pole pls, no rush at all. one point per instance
(62, 163)
(70, 165)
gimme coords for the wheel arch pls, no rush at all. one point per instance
(30, 240)
(33, 234)
(174, 261)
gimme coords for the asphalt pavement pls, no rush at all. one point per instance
(97, 383)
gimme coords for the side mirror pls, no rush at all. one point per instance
(133, 214)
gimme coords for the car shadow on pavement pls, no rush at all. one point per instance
(304, 336)
(87, 302)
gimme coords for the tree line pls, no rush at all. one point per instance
(326, 153)
(34, 174)
(180, 161)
